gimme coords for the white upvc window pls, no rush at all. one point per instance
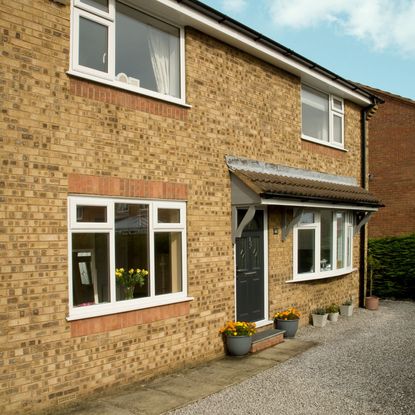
(106, 234)
(116, 43)
(322, 117)
(323, 244)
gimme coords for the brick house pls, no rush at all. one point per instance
(163, 135)
(391, 165)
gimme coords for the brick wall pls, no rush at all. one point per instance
(392, 166)
(62, 135)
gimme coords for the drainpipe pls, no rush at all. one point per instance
(363, 179)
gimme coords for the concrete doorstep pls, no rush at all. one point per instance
(184, 387)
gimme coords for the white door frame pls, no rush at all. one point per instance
(265, 320)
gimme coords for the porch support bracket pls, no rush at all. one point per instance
(362, 222)
(249, 215)
(287, 227)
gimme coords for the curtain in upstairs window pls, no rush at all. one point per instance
(164, 59)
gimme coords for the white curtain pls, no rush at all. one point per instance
(159, 51)
(164, 59)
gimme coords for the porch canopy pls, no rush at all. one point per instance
(256, 183)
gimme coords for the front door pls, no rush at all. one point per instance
(250, 269)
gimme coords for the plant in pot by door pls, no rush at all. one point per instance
(287, 320)
(238, 336)
(346, 309)
(319, 316)
(372, 302)
(333, 311)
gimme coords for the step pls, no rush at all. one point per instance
(265, 339)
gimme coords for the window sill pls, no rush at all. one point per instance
(323, 143)
(264, 323)
(126, 87)
(106, 309)
(322, 275)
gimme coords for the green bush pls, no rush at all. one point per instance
(394, 277)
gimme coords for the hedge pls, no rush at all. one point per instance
(394, 275)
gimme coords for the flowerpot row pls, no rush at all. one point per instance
(321, 316)
(238, 335)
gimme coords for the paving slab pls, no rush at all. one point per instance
(186, 386)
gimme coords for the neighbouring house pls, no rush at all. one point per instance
(392, 166)
(164, 135)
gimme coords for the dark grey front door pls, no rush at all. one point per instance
(250, 269)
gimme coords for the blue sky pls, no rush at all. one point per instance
(366, 41)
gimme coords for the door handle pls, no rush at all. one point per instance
(250, 273)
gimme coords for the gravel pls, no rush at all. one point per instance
(364, 364)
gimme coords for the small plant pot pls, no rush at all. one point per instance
(346, 310)
(372, 302)
(319, 320)
(290, 326)
(333, 317)
(238, 345)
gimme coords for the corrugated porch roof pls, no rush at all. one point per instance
(271, 186)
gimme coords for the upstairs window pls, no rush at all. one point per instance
(322, 117)
(120, 45)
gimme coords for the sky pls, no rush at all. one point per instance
(367, 41)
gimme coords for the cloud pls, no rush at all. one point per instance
(234, 6)
(383, 24)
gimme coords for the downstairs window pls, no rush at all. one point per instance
(109, 234)
(323, 244)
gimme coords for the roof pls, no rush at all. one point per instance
(261, 39)
(387, 94)
(195, 14)
(269, 185)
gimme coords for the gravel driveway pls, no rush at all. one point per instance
(364, 364)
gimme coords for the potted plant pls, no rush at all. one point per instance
(238, 335)
(346, 309)
(287, 320)
(373, 264)
(319, 316)
(129, 279)
(333, 311)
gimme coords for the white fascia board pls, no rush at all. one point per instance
(184, 15)
(277, 202)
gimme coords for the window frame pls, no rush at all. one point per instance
(78, 10)
(114, 306)
(332, 112)
(347, 243)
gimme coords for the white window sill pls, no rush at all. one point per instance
(263, 323)
(322, 275)
(130, 88)
(104, 309)
(323, 143)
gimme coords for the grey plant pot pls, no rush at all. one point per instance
(238, 345)
(290, 326)
(319, 320)
(346, 310)
(333, 317)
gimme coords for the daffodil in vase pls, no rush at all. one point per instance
(128, 279)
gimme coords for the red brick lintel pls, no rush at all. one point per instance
(103, 324)
(126, 99)
(116, 186)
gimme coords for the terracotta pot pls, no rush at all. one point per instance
(372, 302)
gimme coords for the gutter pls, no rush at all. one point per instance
(363, 179)
(233, 24)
